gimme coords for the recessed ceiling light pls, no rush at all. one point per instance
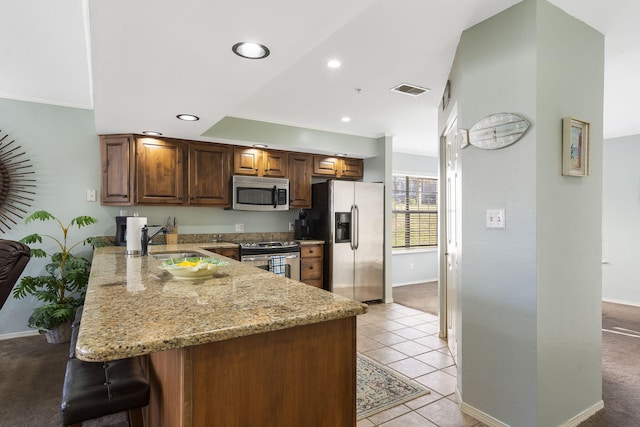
(250, 50)
(188, 117)
(151, 133)
(260, 145)
(346, 119)
(334, 63)
(340, 155)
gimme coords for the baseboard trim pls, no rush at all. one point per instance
(618, 301)
(479, 415)
(18, 335)
(584, 415)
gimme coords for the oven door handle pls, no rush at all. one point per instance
(266, 257)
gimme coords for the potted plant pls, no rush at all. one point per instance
(63, 288)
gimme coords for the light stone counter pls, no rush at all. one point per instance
(133, 307)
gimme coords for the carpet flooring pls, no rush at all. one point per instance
(423, 296)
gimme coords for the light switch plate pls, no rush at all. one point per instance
(240, 228)
(91, 195)
(495, 218)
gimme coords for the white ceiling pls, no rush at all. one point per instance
(140, 63)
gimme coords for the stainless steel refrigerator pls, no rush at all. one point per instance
(349, 217)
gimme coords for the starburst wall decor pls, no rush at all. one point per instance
(16, 184)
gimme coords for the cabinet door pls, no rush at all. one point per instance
(311, 265)
(247, 161)
(352, 168)
(117, 172)
(209, 174)
(160, 174)
(325, 166)
(233, 253)
(300, 169)
(275, 164)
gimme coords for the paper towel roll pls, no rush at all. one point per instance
(134, 232)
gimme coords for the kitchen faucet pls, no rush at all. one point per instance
(145, 239)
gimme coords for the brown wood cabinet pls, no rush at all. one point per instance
(258, 162)
(159, 171)
(233, 253)
(209, 173)
(117, 174)
(311, 259)
(338, 167)
(300, 170)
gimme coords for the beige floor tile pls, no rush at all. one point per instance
(432, 341)
(408, 311)
(442, 383)
(386, 355)
(389, 325)
(388, 338)
(436, 359)
(365, 344)
(427, 317)
(411, 367)
(410, 333)
(365, 423)
(429, 328)
(451, 370)
(410, 321)
(410, 348)
(411, 419)
(424, 400)
(369, 330)
(445, 413)
(389, 414)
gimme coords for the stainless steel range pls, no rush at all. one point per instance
(281, 258)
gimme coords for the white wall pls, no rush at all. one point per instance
(525, 359)
(421, 265)
(621, 221)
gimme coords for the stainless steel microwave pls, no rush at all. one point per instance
(252, 193)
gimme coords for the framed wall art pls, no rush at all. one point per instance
(575, 147)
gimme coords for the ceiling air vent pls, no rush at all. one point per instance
(408, 89)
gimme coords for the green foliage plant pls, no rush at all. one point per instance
(63, 288)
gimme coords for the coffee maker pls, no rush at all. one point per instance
(302, 227)
(121, 231)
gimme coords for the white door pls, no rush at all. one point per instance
(449, 314)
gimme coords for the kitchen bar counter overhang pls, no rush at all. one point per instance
(133, 307)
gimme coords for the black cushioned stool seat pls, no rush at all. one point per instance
(93, 389)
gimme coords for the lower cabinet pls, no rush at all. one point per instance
(233, 253)
(311, 259)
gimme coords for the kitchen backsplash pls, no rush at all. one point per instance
(223, 237)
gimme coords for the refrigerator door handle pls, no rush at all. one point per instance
(352, 238)
(356, 223)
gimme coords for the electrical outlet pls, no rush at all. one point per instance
(291, 226)
(495, 218)
(240, 228)
(91, 195)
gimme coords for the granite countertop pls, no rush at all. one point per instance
(133, 307)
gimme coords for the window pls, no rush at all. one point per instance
(415, 212)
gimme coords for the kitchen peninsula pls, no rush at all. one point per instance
(243, 347)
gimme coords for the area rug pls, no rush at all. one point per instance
(378, 388)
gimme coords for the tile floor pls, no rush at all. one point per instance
(406, 340)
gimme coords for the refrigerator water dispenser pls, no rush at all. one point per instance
(343, 227)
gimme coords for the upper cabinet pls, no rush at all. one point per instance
(209, 174)
(117, 173)
(141, 170)
(258, 162)
(338, 167)
(159, 171)
(300, 169)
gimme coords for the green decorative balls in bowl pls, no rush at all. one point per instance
(192, 268)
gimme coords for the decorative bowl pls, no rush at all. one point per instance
(192, 268)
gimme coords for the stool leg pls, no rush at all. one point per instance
(135, 417)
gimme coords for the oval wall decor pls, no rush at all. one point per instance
(496, 131)
(15, 183)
